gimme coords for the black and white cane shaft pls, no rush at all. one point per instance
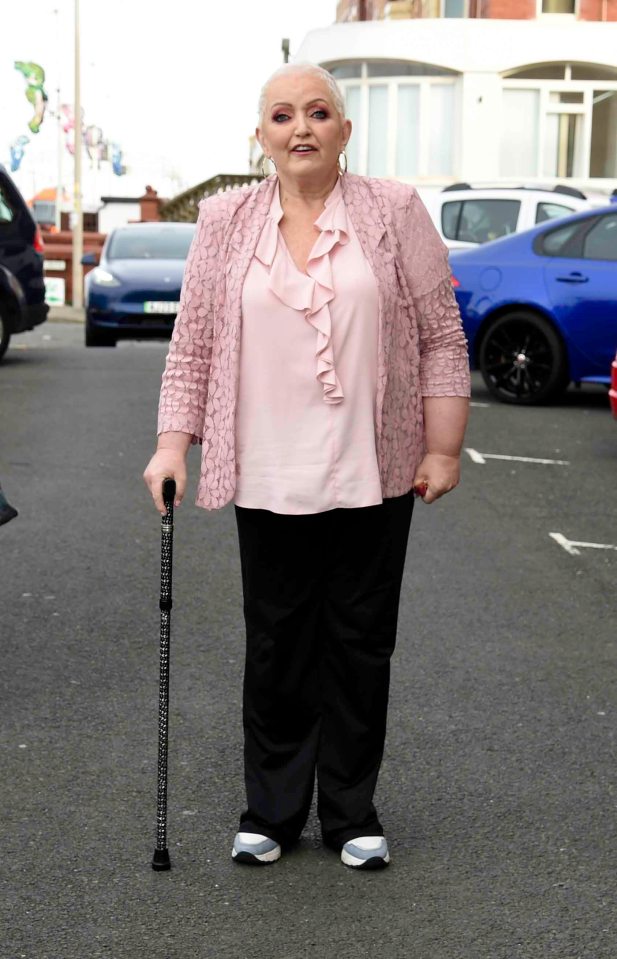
(165, 604)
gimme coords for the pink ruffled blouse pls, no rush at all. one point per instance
(305, 420)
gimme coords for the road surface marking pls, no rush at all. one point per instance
(475, 456)
(571, 546)
(483, 457)
(483, 406)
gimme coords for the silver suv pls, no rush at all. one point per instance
(466, 216)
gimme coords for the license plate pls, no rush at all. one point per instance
(160, 306)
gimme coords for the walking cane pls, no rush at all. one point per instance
(160, 860)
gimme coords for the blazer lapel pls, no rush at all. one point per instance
(239, 246)
(246, 226)
(370, 214)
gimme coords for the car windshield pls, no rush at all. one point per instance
(151, 243)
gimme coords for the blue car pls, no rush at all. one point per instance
(134, 292)
(539, 308)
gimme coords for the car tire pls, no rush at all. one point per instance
(95, 337)
(5, 335)
(523, 359)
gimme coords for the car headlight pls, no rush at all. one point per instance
(103, 278)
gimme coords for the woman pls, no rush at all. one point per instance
(318, 356)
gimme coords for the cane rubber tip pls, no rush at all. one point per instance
(160, 860)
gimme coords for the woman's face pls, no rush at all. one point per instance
(301, 129)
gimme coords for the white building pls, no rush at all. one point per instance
(438, 101)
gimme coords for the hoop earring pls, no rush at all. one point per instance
(262, 165)
(338, 163)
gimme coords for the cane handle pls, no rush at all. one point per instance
(169, 491)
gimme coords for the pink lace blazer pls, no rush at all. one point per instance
(421, 346)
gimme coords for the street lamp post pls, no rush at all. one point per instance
(78, 231)
(59, 187)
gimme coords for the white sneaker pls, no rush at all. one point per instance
(255, 849)
(366, 852)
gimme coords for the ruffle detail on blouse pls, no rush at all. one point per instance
(309, 292)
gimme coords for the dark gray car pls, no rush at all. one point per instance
(22, 288)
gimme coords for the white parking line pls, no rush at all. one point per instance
(482, 406)
(571, 546)
(481, 458)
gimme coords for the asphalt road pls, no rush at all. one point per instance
(498, 785)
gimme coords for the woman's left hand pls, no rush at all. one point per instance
(437, 474)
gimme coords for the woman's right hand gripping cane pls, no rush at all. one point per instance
(169, 462)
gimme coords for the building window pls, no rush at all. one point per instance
(455, 8)
(402, 68)
(353, 111)
(603, 159)
(378, 131)
(558, 6)
(560, 127)
(543, 71)
(519, 135)
(587, 71)
(403, 116)
(563, 141)
(346, 70)
(408, 130)
(442, 127)
(563, 71)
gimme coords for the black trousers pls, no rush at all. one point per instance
(321, 596)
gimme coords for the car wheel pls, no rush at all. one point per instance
(96, 337)
(523, 359)
(5, 335)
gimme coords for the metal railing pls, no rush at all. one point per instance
(185, 206)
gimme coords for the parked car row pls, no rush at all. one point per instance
(539, 307)
(539, 304)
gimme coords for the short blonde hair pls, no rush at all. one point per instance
(313, 70)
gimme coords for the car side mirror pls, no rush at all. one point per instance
(90, 259)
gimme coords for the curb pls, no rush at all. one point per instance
(66, 314)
